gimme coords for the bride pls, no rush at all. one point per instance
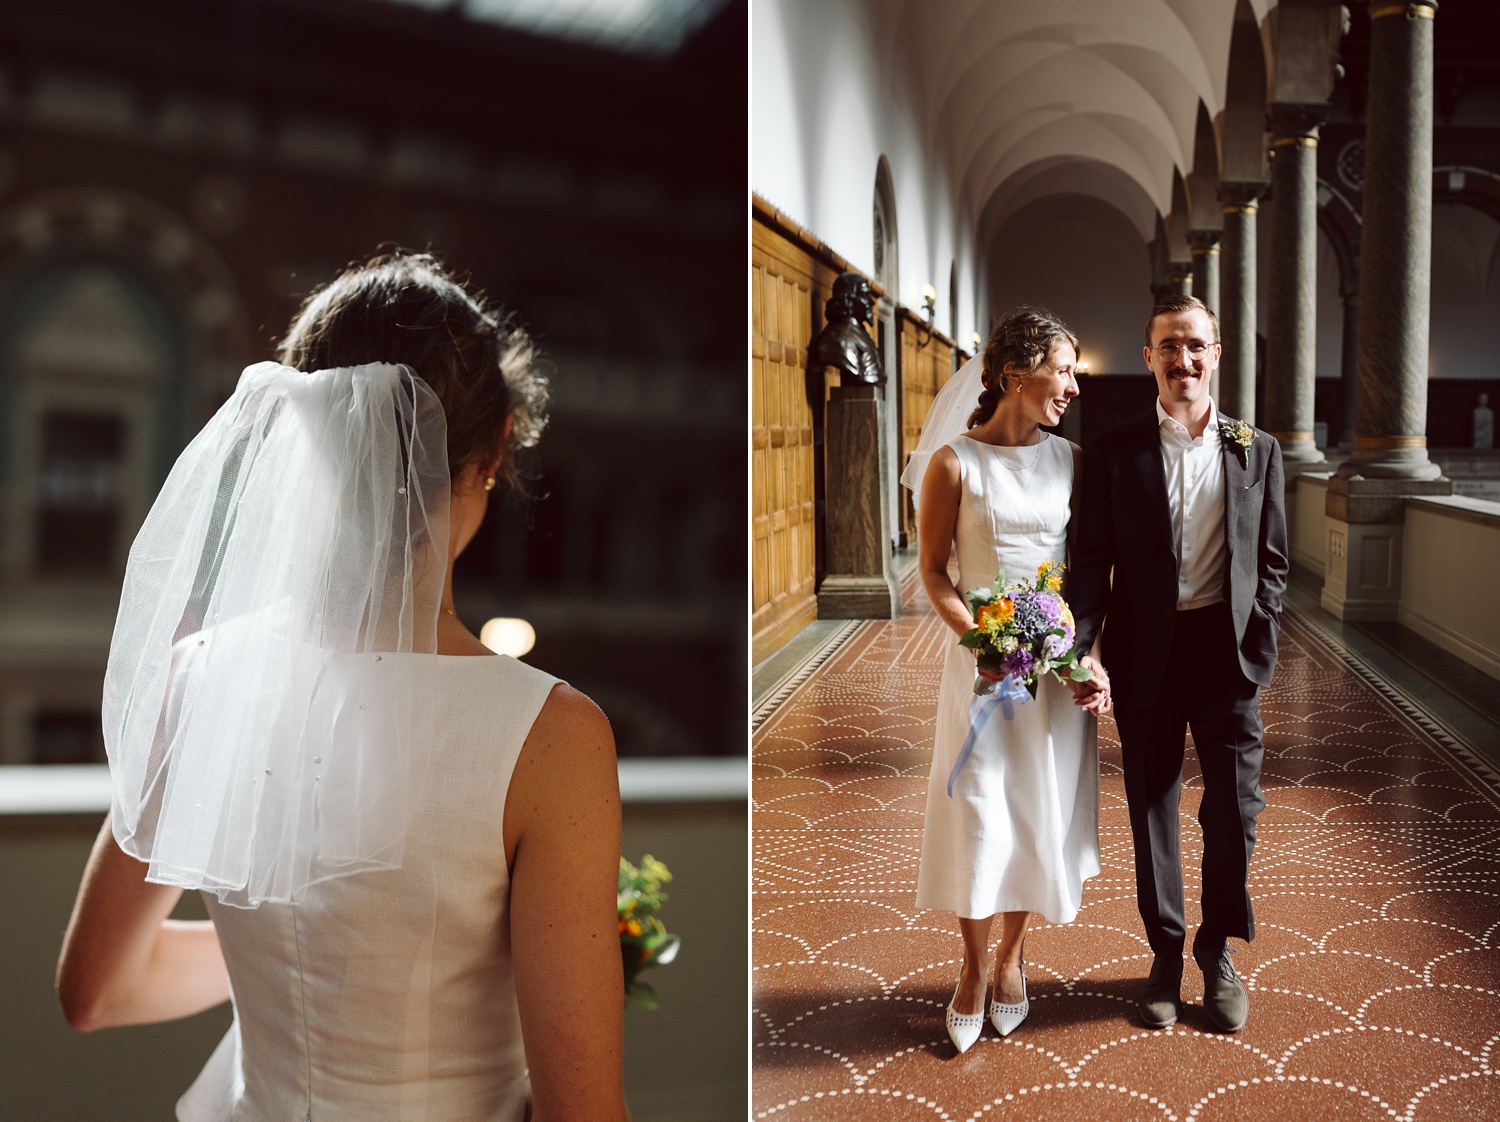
(408, 846)
(1013, 828)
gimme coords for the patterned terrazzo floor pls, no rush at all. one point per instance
(1374, 980)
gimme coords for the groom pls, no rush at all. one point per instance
(1185, 506)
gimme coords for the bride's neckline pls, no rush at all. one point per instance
(1046, 436)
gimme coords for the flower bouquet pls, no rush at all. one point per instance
(643, 940)
(1020, 632)
(1023, 631)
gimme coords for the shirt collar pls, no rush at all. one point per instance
(1171, 427)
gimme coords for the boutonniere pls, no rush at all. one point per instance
(1237, 432)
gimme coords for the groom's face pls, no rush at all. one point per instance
(1182, 376)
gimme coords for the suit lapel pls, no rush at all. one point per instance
(1154, 475)
(1236, 480)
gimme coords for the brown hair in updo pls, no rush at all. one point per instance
(405, 308)
(1024, 337)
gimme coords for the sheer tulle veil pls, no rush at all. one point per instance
(947, 419)
(256, 711)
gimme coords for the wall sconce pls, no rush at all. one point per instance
(1082, 367)
(976, 342)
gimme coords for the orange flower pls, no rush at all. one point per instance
(1000, 611)
(630, 927)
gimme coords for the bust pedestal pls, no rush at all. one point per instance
(860, 583)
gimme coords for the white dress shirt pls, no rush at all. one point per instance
(1195, 500)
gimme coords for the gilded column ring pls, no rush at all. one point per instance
(1410, 11)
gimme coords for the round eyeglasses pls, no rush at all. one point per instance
(1171, 351)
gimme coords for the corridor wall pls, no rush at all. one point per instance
(791, 277)
(833, 90)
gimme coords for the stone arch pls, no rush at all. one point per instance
(120, 330)
(1243, 129)
(1202, 183)
(160, 244)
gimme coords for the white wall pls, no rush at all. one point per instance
(1465, 341)
(1085, 261)
(829, 95)
(1449, 595)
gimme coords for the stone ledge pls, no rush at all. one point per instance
(1479, 511)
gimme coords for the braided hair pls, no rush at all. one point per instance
(1024, 336)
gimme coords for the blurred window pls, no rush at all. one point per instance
(79, 490)
(66, 736)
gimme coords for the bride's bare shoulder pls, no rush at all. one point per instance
(568, 758)
(569, 713)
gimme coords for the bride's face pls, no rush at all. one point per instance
(1046, 392)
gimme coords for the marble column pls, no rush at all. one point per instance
(1395, 287)
(1205, 247)
(1366, 503)
(1236, 373)
(1291, 311)
(1205, 244)
(1348, 367)
(1182, 278)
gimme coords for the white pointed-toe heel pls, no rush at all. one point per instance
(1008, 1018)
(964, 1028)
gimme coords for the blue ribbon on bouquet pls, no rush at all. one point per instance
(998, 695)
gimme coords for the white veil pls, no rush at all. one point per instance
(257, 705)
(947, 419)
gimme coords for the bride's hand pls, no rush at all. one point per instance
(1093, 695)
(1100, 680)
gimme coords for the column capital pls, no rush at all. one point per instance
(1425, 9)
(1238, 196)
(1204, 241)
(1296, 122)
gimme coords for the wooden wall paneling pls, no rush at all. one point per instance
(789, 288)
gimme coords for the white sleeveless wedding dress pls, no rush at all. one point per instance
(389, 995)
(1021, 832)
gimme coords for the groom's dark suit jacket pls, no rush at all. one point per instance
(1125, 526)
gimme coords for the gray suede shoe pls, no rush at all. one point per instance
(1161, 1000)
(1224, 997)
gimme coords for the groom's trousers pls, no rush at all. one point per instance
(1206, 692)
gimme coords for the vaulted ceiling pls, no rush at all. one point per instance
(1093, 97)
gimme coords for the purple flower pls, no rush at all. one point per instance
(1018, 663)
(1055, 646)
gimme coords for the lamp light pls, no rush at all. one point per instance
(507, 636)
(929, 304)
(1082, 367)
(976, 341)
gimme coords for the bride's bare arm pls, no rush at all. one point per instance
(936, 518)
(562, 840)
(123, 961)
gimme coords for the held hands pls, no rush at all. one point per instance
(1093, 695)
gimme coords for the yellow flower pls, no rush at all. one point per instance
(630, 927)
(1067, 615)
(996, 614)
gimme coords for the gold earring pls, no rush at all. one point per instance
(489, 483)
